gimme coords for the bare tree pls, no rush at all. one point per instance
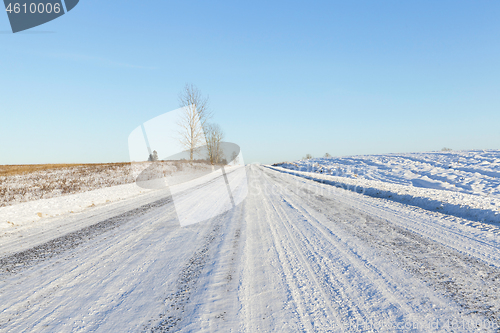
(307, 157)
(235, 158)
(214, 136)
(327, 155)
(193, 119)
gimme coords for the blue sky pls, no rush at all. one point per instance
(285, 78)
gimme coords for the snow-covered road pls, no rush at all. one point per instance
(296, 255)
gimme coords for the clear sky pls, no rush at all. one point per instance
(285, 78)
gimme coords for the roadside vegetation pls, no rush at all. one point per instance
(21, 183)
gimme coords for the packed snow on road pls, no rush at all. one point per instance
(384, 243)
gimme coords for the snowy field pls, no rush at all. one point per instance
(29, 197)
(34, 182)
(301, 253)
(462, 183)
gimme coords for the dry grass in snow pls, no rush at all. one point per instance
(21, 183)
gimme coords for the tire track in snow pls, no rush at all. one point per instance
(186, 283)
(215, 305)
(451, 274)
(19, 261)
(291, 273)
(267, 301)
(471, 283)
(325, 253)
(304, 267)
(334, 256)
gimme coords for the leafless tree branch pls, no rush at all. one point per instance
(194, 118)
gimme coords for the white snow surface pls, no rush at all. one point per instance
(296, 255)
(92, 189)
(460, 183)
(28, 214)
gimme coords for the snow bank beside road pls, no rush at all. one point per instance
(26, 213)
(463, 184)
(473, 172)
